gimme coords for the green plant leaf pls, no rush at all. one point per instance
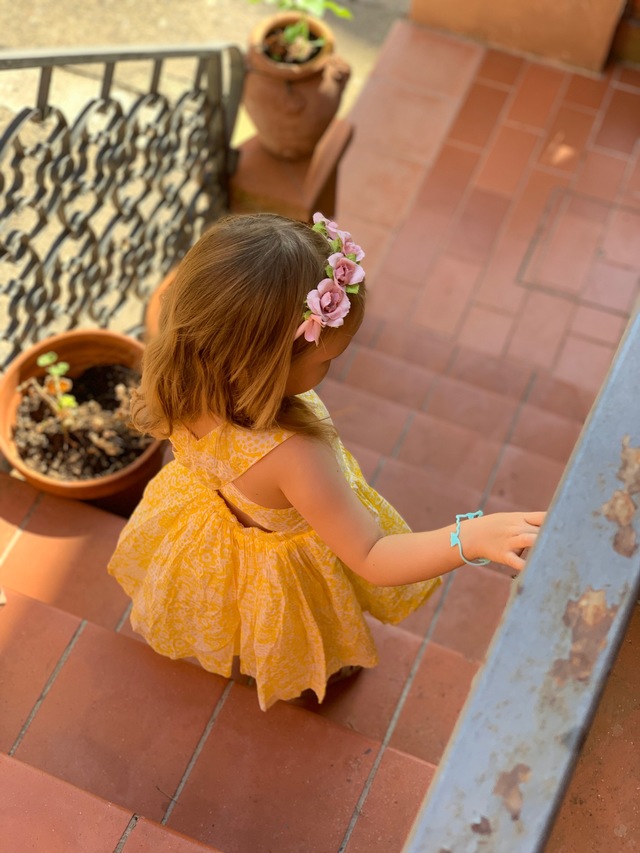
(338, 10)
(46, 359)
(352, 288)
(58, 369)
(67, 401)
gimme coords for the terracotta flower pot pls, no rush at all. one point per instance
(292, 104)
(81, 348)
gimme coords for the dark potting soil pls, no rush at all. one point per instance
(90, 440)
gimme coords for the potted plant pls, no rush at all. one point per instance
(294, 80)
(64, 419)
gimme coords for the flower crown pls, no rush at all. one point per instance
(329, 303)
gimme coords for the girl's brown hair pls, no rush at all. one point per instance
(227, 324)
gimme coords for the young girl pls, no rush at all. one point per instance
(262, 541)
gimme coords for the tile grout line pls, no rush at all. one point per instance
(196, 753)
(127, 832)
(395, 716)
(507, 439)
(124, 617)
(21, 527)
(49, 684)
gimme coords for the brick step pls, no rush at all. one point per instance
(170, 742)
(41, 812)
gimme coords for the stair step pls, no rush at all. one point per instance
(122, 723)
(43, 813)
(60, 556)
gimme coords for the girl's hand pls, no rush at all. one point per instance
(501, 537)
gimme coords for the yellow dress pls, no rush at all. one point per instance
(205, 586)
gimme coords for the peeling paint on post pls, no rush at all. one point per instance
(621, 507)
(508, 787)
(589, 619)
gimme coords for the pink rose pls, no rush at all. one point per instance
(331, 227)
(310, 328)
(330, 302)
(349, 247)
(345, 271)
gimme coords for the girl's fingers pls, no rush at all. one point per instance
(514, 562)
(535, 518)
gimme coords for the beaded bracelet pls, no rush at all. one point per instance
(455, 538)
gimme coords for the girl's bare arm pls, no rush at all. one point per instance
(311, 479)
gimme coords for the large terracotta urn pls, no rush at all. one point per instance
(292, 104)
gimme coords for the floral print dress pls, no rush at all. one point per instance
(205, 586)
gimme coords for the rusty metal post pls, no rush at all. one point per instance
(510, 758)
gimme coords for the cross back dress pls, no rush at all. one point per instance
(204, 585)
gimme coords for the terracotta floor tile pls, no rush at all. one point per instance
(454, 450)
(433, 705)
(485, 330)
(600, 806)
(527, 479)
(611, 286)
(631, 192)
(508, 158)
(121, 721)
(40, 813)
(425, 499)
(620, 126)
(392, 298)
(389, 377)
(392, 804)
(561, 398)
(566, 139)
(446, 292)
(599, 325)
(478, 116)
(378, 189)
(627, 75)
(502, 376)
(273, 781)
(415, 345)
(472, 611)
(61, 558)
(366, 703)
(413, 249)
(621, 244)
(421, 620)
(599, 175)
(32, 639)
(536, 95)
(487, 413)
(584, 362)
(149, 837)
(499, 286)
(545, 433)
(500, 67)
(564, 258)
(16, 499)
(586, 92)
(427, 60)
(398, 118)
(538, 200)
(541, 328)
(445, 184)
(475, 234)
(366, 419)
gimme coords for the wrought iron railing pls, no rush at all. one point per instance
(106, 179)
(510, 758)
